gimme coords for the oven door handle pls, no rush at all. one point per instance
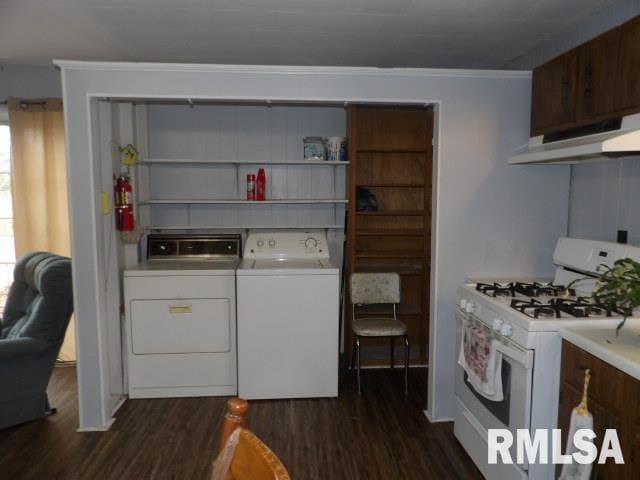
(523, 357)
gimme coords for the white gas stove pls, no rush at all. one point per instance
(524, 317)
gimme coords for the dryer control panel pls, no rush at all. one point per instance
(286, 245)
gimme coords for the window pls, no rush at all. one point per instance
(7, 245)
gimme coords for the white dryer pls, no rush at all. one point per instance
(288, 317)
(180, 305)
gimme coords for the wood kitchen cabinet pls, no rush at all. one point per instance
(594, 82)
(555, 85)
(391, 154)
(614, 402)
(599, 76)
(629, 91)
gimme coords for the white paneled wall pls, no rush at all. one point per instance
(235, 133)
(605, 197)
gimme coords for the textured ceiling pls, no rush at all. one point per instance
(383, 33)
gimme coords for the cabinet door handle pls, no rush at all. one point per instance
(180, 309)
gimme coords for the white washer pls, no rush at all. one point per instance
(288, 317)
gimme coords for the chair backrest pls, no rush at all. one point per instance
(40, 300)
(374, 288)
(243, 456)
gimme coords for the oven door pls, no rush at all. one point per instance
(514, 411)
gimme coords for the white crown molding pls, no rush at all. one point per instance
(287, 70)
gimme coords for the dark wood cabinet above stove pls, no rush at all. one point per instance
(596, 81)
(555, 86)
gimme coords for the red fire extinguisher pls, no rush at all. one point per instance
(123, 198)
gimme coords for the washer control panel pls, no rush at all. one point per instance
(286, 245)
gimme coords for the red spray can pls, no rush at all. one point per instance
(261, 185)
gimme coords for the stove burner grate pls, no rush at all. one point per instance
(535, 309)
(528, 289)
(496, 289)
(580, 307)
(543, 289)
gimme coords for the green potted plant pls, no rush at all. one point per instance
(619, 288)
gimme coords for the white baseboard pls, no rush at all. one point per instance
(97, 429)
(439, 420)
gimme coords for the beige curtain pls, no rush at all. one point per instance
(39, 184)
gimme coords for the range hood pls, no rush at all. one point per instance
(610, 139)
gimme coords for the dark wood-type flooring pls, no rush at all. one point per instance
(381, 435)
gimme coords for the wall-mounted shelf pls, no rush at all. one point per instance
(194, 166)
(209, 201)
(205, 161)
(242, 227)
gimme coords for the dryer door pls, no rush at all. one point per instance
(194, 325)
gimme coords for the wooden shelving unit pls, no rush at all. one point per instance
(390, 150)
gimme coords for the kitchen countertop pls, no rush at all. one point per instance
(622, 352)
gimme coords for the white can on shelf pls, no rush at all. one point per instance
(336, 149)
(314, 148)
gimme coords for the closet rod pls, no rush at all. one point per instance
(27, 102)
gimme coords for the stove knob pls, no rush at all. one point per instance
(463, 303)
(470, 307)
(506, 330)
(497, 324)
(272, 243)
(260, 243)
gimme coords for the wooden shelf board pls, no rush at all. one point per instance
(205, 161)
(390, 254)
(385, 313)
(398, 213)
(240, 227)
(222, 201)
(391, 185)
(405, 269)
(391, 150)
(391, 232)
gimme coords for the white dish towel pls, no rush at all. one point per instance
(482, 362)
(581, 417)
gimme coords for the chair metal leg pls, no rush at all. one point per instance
(358, 359)
(406, 365)
(392, 341)
(352, 362)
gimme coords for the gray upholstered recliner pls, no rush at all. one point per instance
(32, 328)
